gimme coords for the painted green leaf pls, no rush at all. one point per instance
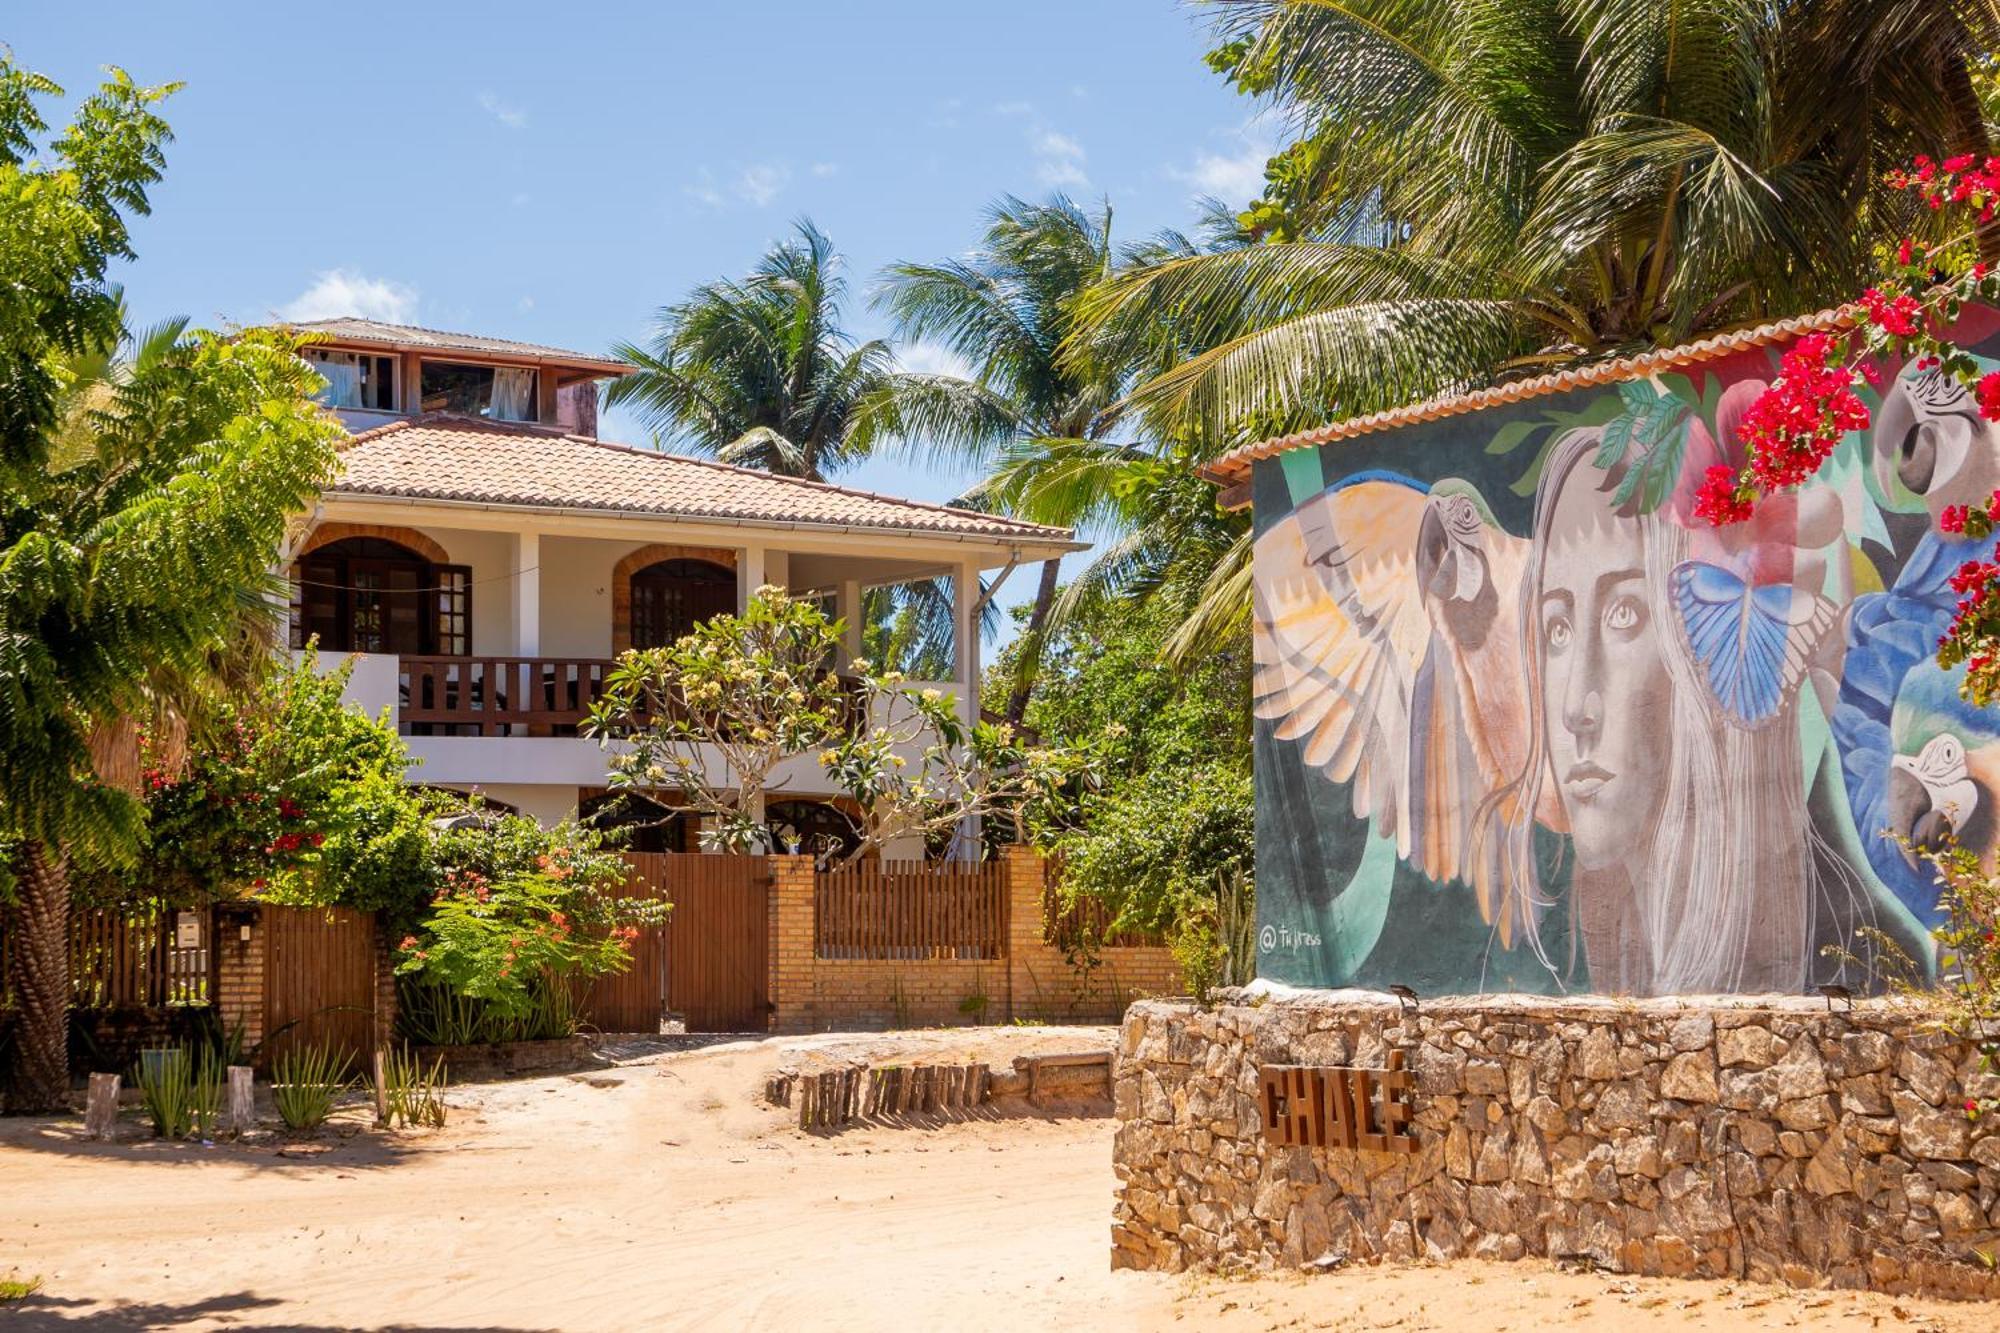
(1653, 430)
(1509, 437)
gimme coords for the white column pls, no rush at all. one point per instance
(965, 675)
(527, 594)
(850, 612)
(749, 575)
(965, 638)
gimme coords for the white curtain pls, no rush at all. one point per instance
(343, 378)
(513, 395)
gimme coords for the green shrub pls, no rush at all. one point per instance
(413, 1091)
(305, 1082)
(166, 1083)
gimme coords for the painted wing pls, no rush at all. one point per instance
(1352, 664)
(1752, 642)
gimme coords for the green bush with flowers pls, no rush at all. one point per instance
(524, 918)
(294, 797)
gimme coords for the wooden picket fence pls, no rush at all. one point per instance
(1072, 923)
(903, 910)
(120, 960)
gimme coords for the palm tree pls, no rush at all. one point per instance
(759, 371)
(1558, 181)
(1006, 309)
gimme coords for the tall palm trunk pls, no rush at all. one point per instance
(1029, 664)
(38, 978)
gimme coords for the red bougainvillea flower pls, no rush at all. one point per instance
(1952, 519)
(409, 943)
(1989, 395)
(1720, 500)
(1895, 313)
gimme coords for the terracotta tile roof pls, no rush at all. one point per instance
(473, 460)
(409, 336)
(1234, 466)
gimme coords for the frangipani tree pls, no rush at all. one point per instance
(713, 717)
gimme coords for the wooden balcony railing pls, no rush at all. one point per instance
(497, 696)
(510, 696)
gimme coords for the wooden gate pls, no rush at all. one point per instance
(710, 963)
(319, 981)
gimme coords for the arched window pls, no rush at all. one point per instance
(812, 828)
(637, 823)
(372, 595)
(671, 597)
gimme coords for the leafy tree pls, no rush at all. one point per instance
(1169, 828)
(130, 522)
(759, 691)
(1007, 310)
(297, 798)
(759, 371)
(753, 690)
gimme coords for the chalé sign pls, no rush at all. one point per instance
(1325, 1106)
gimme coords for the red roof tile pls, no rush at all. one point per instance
(470, 459)
(1234, 466)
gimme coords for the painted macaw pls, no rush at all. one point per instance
(1919, 763)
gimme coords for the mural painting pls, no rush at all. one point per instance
(1525, 723)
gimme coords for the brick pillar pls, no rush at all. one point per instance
(1027, 872)
(239, 971)
(385, 984)
(791, 944)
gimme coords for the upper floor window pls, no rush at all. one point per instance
(671, 597)
(355, 379)
(502, 393)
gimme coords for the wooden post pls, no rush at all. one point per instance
(242, 1099)
(381, 1089)
(100, 1115)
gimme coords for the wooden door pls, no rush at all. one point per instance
(711, 962)
(319, 981)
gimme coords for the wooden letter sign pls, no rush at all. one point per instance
(1317, 1106)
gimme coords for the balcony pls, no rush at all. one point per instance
(496, 696)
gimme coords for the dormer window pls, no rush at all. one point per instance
(355, 379)
(501, 393)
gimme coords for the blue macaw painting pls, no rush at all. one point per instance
(1524, 722)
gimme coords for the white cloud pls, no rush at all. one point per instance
(926, 358)
(339, 291)
(1235, 172)
(761, 182)
(825, 169)
(1013, 108)
(525, 304)
(757, 184)
(512, 117)
(1058, 159)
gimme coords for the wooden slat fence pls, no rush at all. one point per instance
(319, 981)
(120, 960)
(1065, 924)
(904, 910)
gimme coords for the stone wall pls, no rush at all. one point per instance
(1032, 980)
(1758, 1138)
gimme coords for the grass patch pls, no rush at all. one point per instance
(18, 1288)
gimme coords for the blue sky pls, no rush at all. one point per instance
(557, 174)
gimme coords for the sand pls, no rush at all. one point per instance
(662, 1194)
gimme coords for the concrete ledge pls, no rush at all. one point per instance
(1746, 1137)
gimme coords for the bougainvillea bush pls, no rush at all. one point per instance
(296, 798)
(1793, 427)
(522, 920)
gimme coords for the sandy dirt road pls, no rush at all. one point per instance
(663, 1195)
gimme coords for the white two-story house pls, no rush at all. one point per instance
(485, 556)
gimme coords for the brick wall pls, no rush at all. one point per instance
(1032, 980)
(239, 971)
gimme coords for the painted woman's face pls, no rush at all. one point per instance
(1606, 696)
